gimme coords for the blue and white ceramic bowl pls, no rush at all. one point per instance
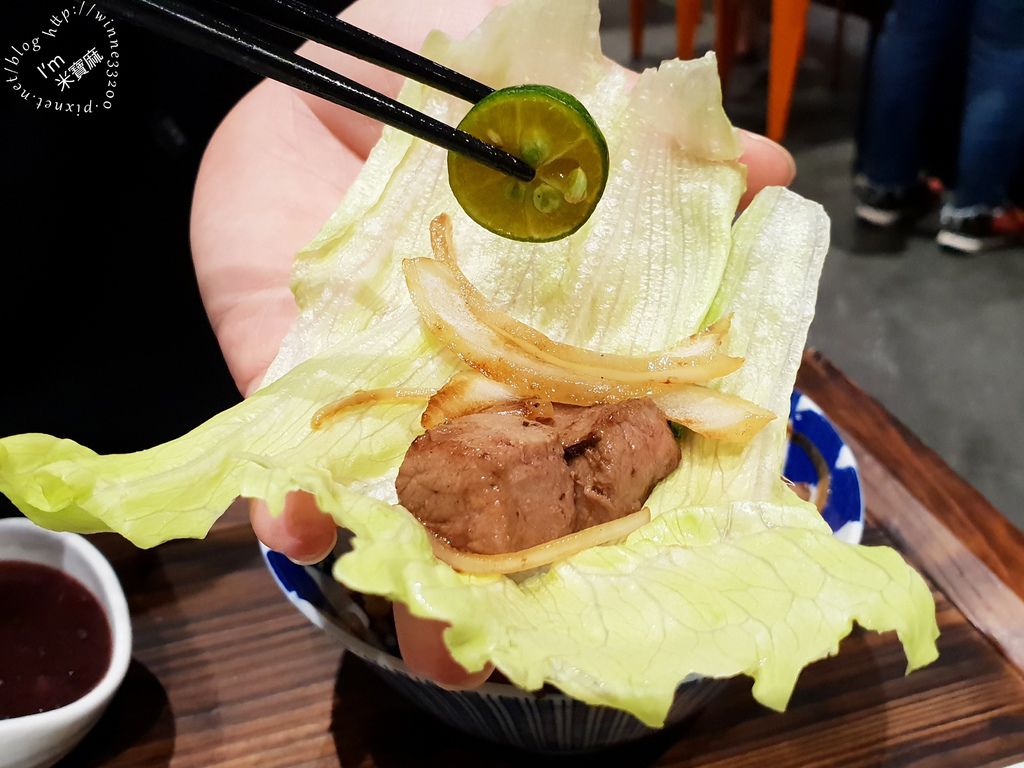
(817, 461)
(821, 462)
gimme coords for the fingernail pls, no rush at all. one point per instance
(314, 560)
(311, 561)
(790, 161)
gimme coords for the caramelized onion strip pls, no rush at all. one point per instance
(465, 393)
(440, 299)
(713, 414)
(364, 398)
(690, 352)
(542, 554)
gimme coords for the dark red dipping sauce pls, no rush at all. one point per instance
(54, 639)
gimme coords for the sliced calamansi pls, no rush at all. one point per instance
(555, 134)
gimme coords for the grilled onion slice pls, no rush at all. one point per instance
(364, 398)
(554, 373)
(713, 414)
(469, 392)
(465, 393)
(702, 348)
(542, 554)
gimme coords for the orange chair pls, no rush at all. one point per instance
(789, 30)
(788, 37)
(688, 14)
(789, 25)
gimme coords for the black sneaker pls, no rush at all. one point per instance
(973, 230)
(887, 206)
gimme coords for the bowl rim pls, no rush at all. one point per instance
(382, 658)
(120, 633)
(800, 402)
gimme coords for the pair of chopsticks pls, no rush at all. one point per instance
(247, 46)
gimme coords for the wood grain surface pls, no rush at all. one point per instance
(953, 502)
(226, 673)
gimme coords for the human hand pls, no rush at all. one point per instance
(273, 172)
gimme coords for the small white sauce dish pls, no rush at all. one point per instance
(40, 740)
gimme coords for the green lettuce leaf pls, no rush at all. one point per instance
(734, 575)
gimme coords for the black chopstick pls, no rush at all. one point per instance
(311, 23)
(186, 24)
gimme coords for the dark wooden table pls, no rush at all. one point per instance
(226, 673)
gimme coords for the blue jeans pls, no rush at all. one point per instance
(918, 83)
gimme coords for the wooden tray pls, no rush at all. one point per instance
(226, 673)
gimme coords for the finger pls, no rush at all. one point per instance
(768, 164)
(301, 532)
(424, 652)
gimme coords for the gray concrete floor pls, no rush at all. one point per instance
(938, 339)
